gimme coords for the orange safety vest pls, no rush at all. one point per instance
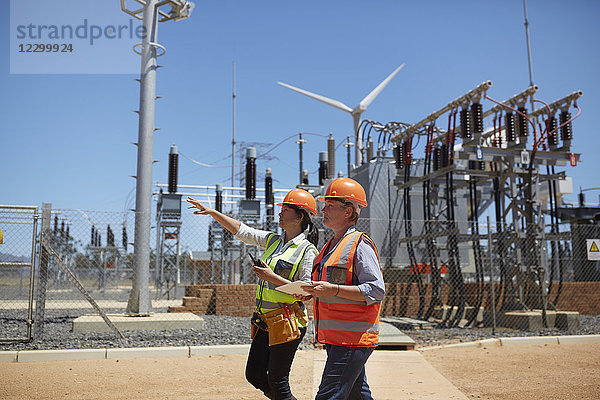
(341, 321)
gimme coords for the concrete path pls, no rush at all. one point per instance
(394, 375)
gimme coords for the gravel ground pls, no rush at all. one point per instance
(221, 330)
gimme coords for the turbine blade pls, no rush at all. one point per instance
(371, 96)
(326, 100)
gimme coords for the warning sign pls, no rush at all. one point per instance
(593, 249)
(1, 236)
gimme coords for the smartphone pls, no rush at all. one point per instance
(254, 262)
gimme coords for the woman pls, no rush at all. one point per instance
(288, 257)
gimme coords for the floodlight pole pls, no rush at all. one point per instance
(139, 298)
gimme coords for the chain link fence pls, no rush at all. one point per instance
(451, 273)
(18, 233)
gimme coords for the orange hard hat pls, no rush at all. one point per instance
(347, 189)
(301, 198)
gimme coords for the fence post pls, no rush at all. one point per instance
(493, 295)
(40, 305)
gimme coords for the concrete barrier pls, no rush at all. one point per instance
(8, 356)
(196, 351)
(61, 355)
(529, 341)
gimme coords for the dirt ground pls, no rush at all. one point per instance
(536, 372)
(553, 372)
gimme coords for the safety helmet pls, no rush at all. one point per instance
(300, 198)
(347, 189)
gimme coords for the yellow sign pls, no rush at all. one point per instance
(593, 249)
(1, 236)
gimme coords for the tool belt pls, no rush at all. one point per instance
(280, 324)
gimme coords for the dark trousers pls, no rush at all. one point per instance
(344, 374)
(268, 367)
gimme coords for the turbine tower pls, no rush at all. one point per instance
(355, 112)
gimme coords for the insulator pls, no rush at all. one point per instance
(250, 173)
(551, 126)
(477, 117)
(522, 124)
(219, 198)
(396, 154)
(437, 158)
(466, 126)
(370, 146)
(331, 155)
(566, 132)
(407, 154)
(173, 166)
(110, 237)
(305, 177)
(444, 155)
(93, 237)
(399, 155)
(323, 169)
(124, 237)
(56, 224)
(497, 141)
(509, 126)
(269, 198)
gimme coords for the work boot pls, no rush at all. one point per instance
(272, 397)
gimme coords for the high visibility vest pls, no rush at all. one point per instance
(286, 265)
(341, 321)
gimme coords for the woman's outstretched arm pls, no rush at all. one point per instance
(231, 224)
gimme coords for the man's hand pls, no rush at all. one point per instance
(321, 289)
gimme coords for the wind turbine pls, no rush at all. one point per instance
(355, 112)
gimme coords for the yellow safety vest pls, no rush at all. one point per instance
(285, 265)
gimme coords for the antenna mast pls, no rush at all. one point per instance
(528, 53)
(233, 137)
(528, 44)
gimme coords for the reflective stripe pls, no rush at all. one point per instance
(300, 249)
(267, 305)
(351, 326)
(347, 249)
(272, 243)
(341, 300)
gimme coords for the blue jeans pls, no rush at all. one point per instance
(344, 374)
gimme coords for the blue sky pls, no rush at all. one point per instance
(66, 137)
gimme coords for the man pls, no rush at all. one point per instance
(348, 289)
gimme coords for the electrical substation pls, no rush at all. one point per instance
(467, 196)
(465, 207)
